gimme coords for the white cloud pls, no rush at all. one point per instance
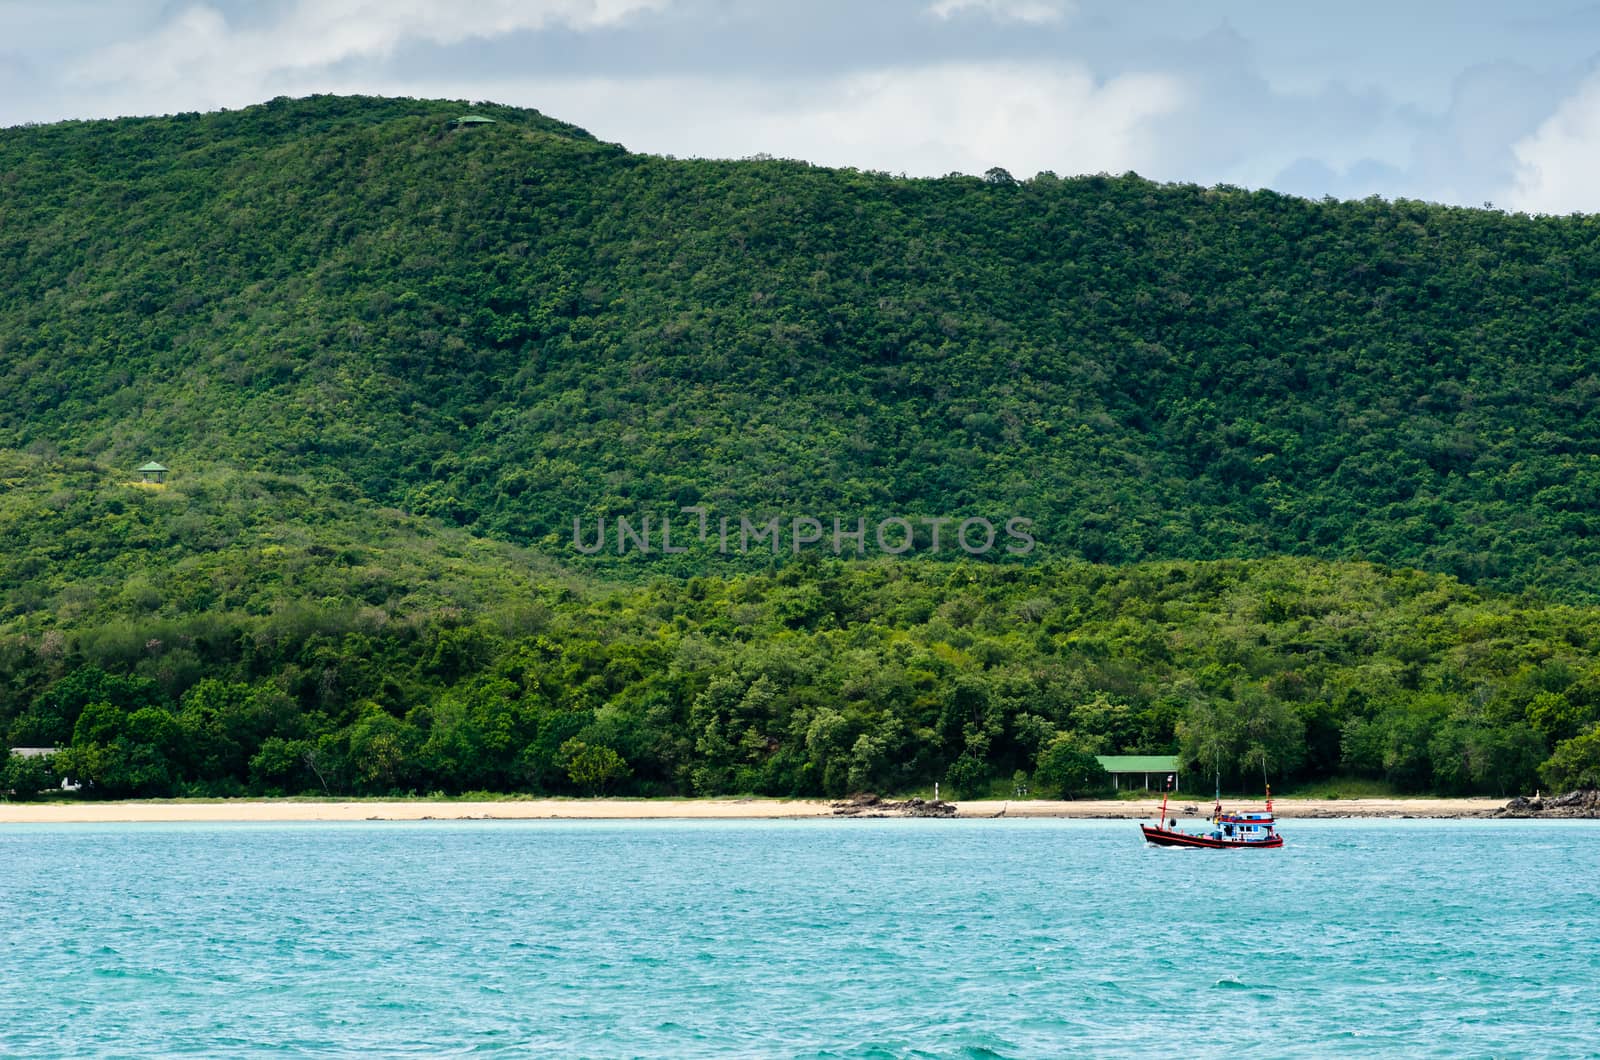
(925, 121)
(1035, 12)
(972, 117)
(210, 62)
(1556, 164)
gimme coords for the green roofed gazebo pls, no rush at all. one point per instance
(1159, 766)
(470, 119)
(153, 472)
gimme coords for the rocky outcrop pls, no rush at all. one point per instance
(869, 805)
(1572, 804)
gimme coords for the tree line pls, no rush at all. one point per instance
(832, 677)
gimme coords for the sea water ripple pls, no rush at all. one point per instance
(797, 938)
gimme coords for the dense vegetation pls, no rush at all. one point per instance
(390, 361)
(511, 325)
(225, 650)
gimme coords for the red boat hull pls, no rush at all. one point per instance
(1162, 837)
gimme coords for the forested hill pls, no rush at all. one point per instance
(390, 357)
(509, 325)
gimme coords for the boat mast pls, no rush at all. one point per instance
(1161, 822)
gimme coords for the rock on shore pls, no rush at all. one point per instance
(1572, 804)
(869, 805)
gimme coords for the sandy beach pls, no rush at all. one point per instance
(1286, 808)
(679, 809)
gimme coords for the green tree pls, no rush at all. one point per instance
(26, 776)
(1555, 718)
(1273, 735)
(1575, 763)
(381, 748)
(281, 767)
(225, 724)
(1067, 766)
(593, 769)
(1210, 735)
(967, 777)
(54, 714)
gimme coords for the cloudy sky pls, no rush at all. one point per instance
(1459, 101)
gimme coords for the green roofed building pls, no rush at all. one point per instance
(1147, 766)
(153, 472)
(470, 119)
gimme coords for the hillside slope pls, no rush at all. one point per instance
(246, 632)
(511, 325)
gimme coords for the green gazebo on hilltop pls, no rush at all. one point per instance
(153, 472)
(470, 119)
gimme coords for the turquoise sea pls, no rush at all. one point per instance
(809, 938)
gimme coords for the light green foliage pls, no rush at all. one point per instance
(1575, 763)
(26, 777)
(593, 769)
(381, 749)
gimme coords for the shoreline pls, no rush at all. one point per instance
(289, 811)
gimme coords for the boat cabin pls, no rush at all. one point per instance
(1242, 827)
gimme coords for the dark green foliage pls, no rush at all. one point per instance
(510, 326)
(968, 777)
(1067, 766)
(478, 669)
(57, 713)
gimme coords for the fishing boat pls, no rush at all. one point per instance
(1227, 831)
